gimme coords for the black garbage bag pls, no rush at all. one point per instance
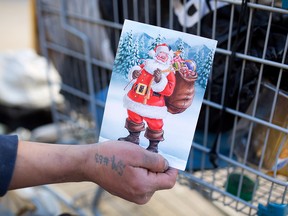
(256, 47)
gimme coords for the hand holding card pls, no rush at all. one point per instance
(129, 171)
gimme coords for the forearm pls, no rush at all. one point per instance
(123, 169)
(39, 163)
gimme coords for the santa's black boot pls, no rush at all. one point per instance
(134, 131)
(132, 137)
(153, 146)
(154, 137)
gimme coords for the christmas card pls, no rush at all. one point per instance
(156, 90)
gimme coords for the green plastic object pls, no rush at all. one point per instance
(247, 187)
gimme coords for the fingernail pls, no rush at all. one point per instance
(166, 165)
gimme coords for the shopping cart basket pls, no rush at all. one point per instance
(238, 156)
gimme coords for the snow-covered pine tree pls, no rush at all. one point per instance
(199, 64)
(205, 70)
(180, 47)
(134, 56)
(125, 53)
(143, 54)
(156, 42)
(119, 56)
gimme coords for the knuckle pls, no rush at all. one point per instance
(171, 183)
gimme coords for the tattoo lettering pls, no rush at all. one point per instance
(100, 159)
(117, 166)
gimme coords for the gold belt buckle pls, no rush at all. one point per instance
(141, 89)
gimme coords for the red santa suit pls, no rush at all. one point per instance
(145, 100)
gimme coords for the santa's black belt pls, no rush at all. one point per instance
(156, 94)
(142, 90)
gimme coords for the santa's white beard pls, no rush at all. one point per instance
(152, 64)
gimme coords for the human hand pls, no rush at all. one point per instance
(136, 74)
(157, 75)
(129, 171)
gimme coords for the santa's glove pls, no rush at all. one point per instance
(136, 74)
(157, 75)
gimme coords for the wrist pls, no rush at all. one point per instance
(87, 166)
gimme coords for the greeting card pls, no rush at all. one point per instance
(156, 90)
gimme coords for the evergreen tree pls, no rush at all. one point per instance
(134, 56)
(180, 46)
(156, 42)
(143, 53)
(124, 54)
(119, 56)
(205, 70)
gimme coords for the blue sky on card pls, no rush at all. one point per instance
(154, 31)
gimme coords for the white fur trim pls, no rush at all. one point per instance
(164, 49)
(152, 64)
(158, 87)
(144, 109)
(136, 67)
(151, 53)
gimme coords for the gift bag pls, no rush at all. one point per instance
(184, 91)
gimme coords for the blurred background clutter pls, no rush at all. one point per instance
(25, 101)
(56, 58)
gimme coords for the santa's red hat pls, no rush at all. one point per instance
(161, 48)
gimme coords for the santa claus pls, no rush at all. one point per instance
(145, 102)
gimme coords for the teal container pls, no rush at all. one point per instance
(247, 188)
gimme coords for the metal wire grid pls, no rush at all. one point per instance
(69, 37)
(211, 183)
(70, 51)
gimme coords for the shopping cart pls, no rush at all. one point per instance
(239, 152)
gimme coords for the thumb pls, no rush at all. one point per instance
(154, 162)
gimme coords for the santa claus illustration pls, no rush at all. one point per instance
(152, 81)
